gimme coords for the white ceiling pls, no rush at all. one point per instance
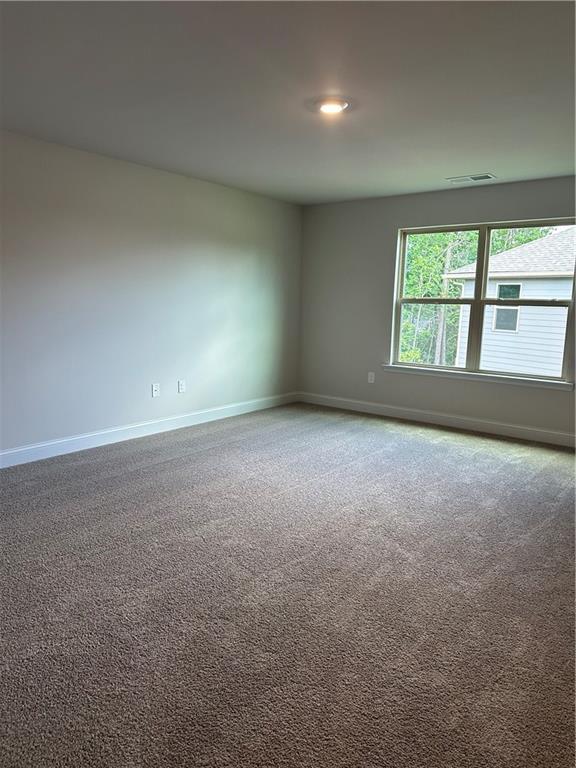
(218, 90)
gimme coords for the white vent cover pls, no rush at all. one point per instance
(471, 178)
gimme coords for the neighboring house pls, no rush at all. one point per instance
(523, 339)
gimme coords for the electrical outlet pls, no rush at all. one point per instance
(155, 390)
(181, 386)
(371, 377)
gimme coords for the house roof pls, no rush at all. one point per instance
(550, 256)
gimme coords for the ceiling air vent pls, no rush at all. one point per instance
(471, 178)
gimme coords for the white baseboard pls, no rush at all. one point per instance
(27, 453)
(442, 419)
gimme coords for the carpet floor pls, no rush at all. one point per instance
(295, 588)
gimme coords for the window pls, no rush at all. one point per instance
(506, 318)
(489, 298)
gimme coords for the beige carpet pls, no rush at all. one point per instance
(297, 588)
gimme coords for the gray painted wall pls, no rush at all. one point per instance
(348, 291)
(115, 276)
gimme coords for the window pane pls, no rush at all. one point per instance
(509, 290)
(505, 318)
(540, 258)
(440, 264)
(537, 346)
(434, 334)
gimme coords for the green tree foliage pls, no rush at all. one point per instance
(430, 255)
(505, 239)
(429, 333)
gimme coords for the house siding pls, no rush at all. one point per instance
(537, 346)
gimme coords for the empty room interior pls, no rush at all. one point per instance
(287, 384)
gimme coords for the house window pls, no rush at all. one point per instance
(506, 318)
(489, 298)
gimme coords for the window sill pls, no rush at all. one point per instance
(474, 376)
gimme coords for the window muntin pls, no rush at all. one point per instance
(481, 298)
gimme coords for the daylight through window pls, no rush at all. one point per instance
(488, 298)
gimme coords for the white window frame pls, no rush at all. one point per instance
(495, 313)
(477, 304)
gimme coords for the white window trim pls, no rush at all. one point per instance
(477, 305)
(496, 309)
(495, 378)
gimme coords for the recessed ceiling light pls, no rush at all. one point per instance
(330, 105)
(333, 106)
